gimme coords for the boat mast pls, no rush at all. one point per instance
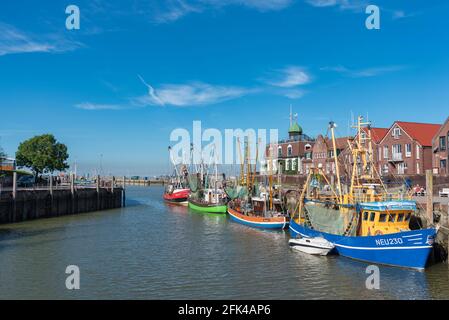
(332, 126)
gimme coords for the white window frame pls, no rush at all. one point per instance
(408, 150)
(289, 150)
(386, 151)
(396, 132)
(417, 152)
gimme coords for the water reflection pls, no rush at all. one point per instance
(153, 250)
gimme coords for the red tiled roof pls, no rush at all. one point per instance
(377, 134)
(421, 132)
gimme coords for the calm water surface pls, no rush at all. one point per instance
(150, 250)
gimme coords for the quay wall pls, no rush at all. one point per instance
(36, 204)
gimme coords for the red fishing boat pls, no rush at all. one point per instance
(177, 191)
(176, 196)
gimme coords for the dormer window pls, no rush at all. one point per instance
(396, 132)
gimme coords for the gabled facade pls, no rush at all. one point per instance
(406, 149)
(440, 147)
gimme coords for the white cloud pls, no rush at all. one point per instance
(192, 94)
(355, 5)
(176, 9)
(293, 93)
(13, 41)
(322, 3)
(288, 77)
(95, 106)
(363, 73)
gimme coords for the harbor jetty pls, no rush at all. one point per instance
(22, 204)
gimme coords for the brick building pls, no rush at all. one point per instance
(440, 147)
(291, 153)
(406, 149)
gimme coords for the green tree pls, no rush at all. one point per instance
(42, 154)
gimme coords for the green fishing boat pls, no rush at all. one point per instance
(207, 207)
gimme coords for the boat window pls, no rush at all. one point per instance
(383, 217)
(400, 217)
(407, 216)
(392, 217)
(365, 215)
(372, 216)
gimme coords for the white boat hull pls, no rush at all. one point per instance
(311, 246)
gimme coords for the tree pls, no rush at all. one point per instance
(42, 154)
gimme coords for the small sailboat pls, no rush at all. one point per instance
(317, 246)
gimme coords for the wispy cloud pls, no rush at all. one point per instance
(354, 5)
(176, 9)
(363, 73)
(191, 94)
(13, 41)
(289, 77)
(95, 106)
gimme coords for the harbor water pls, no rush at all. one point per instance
(150, 250)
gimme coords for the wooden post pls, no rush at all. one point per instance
(51, 186)
(72, 184)
(429, 193)
(14, 185)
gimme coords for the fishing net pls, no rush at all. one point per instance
(193, 182)
(327, 219)
(236, 192)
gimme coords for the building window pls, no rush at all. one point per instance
(385, 168)
(307, 147)
(331, 153)
(417, 152)
(417, 168)
(386, 152)
(287, 165)
(379, 151)
(442, 143)
(443, 163)
(396, 133)
(408, 150)
(308, 155)
(294, 165)
(289, 150)
(279, 152)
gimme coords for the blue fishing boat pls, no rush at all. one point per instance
(367, 222)
(408, 249)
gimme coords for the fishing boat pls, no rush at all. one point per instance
(176, 191)
(316, 246)
(207, 190)
(253, 206)
(176, 196)
(366, 223)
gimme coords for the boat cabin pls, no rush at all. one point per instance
(385, 217)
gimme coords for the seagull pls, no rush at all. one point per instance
(151, 92)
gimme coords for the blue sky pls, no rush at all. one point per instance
(228, 63)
